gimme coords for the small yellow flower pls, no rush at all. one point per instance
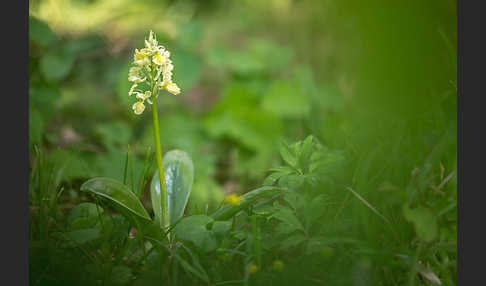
(233, 199)
(278, 265)
(253, 268)
(138, 107)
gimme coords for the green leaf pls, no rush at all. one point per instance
(238, 116)
(305, 153)
(196, 230)
(286, 100)
(44, 100)
(197, 270)
(189, 67)
(40, 33)
(56, 65)
(271, 179)
(424, 221)
(113, 133)
(288, 154)
(292, 181)
(84, 215)
(293, 240)
(287, 216)
(227, 211)
(117, 193)
(314, 210)
(81, 236)
(179, 176)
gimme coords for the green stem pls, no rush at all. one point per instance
(158, 152)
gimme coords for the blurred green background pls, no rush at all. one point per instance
(373, 81)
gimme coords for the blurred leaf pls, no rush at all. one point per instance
(179, 176)
(44, 100)
(191, 34)
(111, 163)
(84, 215)
(36, 126)
(287, 216)
(71, 163)
(314, 210)
(81, 236)
(188, 68)
(293, 240)
(205, 192)
(275, 56)
(114, 133)
(85, 44)
(330, 97)
(195, 229)
(286, 100)
(288, 154)
(56, 65)
(424, 221)
(40, 33)
(257, 57)
(237, 116)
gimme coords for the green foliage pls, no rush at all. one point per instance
(424, 222)
(196, 230)
(370, 197)
(118, 194)
(286, 100)
(56, 65)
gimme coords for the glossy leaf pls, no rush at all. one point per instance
(179, 176)
(117, 193)
(227, 211)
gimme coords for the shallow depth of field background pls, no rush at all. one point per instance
(373, 81)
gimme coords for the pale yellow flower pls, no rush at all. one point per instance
(131, 91)
(141, 58)
(152, 65)
(143, 96)
(138, 107)
(159, 58)
(135, 75)
(172, 88)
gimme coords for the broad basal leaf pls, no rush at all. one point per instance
(179, 176)
(117, 193)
